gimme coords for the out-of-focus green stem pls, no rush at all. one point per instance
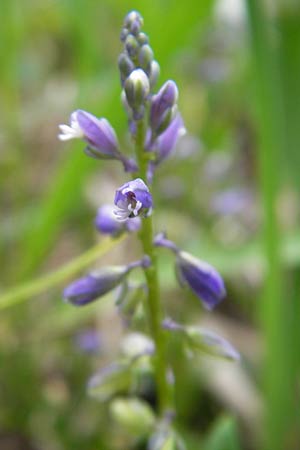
(153, 306)
(27, 290)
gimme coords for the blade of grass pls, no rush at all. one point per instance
(276, 373)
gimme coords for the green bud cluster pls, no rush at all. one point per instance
(136, 58)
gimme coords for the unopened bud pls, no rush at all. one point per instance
(99, 282)
(133, 22)
(136, 344)
(133, 415)
(142, 39)
(109, 381)
(203, 341)
(131, 45)
(137, 89)
(145, 57)
(124, 34)
(154, 73)
(126, 66)
(163, 107)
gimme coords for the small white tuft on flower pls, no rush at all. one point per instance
(72, 131)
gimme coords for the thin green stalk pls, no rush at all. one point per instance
(26, 291)
(154, 309)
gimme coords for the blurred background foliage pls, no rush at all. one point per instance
(229, 195)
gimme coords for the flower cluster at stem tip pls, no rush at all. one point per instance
(157, 114)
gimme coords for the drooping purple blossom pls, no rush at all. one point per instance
(99, 282)
(99, 135)
(106, 222)
(132, 199)
(202, 278)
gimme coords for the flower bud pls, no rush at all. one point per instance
(130, 299)
(142, 39)
(204, 341)
(133, 415)
(99, 282)
(145, 58)
(131, 45)
(154, 73)
(163, 107)
(137, 89)
(126, 66)
(165, 438)
(133, 22)
(132, 199)
(123, 35)
(135, 345)
(109, 381)
(202, 278)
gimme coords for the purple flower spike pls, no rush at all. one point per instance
(98, 133)
(202, 278)
(132, 199)
(107, 223)
(98, 283)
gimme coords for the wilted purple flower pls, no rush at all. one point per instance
(132, 199)
(163, 107)
(99, 282)
(99, 134)
(107, 223)
(202, 278)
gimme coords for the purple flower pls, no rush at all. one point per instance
(107, 223)
(99, 135)
(98, 283)
(163, 107)
(132, 199)
(202, 278)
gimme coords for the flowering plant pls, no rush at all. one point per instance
(155, 125)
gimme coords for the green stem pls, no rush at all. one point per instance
(153, 309)
(36, 287)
